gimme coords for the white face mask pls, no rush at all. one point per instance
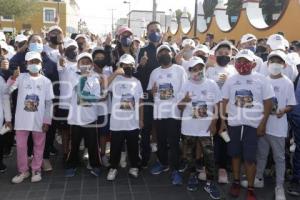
(85, 68)
(34, 68)
(275, 68)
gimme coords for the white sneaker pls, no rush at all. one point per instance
(134, 172)
(105, 161)
(86, 154)
(46, 166)
(279, 193)
(202, 175)
(88, 166)
(20, 177)
(111, 176)
(258, 183)
(153, 147)
(223, 177)
(123, 162)
(36, 177)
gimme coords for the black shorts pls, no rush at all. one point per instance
(61, 118)
(103, 124)
(243, 142)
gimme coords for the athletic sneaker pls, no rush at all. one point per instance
(176, 178)
(212, 190)
(111, 176)
(134, 172)
(158, 169)
(20, 177)
(193, 183)
(36, 177)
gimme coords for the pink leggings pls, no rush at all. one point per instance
(38, 150)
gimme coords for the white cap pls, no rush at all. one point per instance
(80, 36)
(276, 42)
(195, 61)
(246, 53)
(162, 47)
(21, 38)
(33, 55)
(286, 43)
(127, 59)
(247, 38)
(223, 43)
(278, 53)
(2, 36)
(4, 45)
(84, 55)
(69, 43)
(202, 48)
(52, 28)
(188, 42)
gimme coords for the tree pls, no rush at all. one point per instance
(17, 8)
(234, 7)
(270, 7)
(209, 7)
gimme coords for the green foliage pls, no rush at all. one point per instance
(17, 8)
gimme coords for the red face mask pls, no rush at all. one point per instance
(244, 68)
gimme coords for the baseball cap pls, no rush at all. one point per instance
(33, 55)
(246, 53)
(127, 59)
(188, 42)
(194, 61)
(278, 53)
(52, 28)
(69, 43)
(84, 55)
(80, 36)
(247, 37)
(202, 48)
(224, 43)
(276, 42)
(21, 38)
(162, 47)
(123, 29)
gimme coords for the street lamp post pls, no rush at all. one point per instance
(57, 14)
(196, 18)
(129, 7)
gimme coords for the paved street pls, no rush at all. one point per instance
(86, 187)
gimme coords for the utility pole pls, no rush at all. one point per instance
(112, 20)
(196, 18)
(154, 10)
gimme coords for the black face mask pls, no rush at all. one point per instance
(80, 46)
(223, 60)
(164, 59)
(71, 54)
(128, 71)
(100, 63)
(54, 40)
(204, 58)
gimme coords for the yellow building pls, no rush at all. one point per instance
(46, 13)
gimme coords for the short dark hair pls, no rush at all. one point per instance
(151, 23)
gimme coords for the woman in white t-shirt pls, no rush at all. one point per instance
(34, 103)
(126, 118)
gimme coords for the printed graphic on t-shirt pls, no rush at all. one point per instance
(274, 106)
(199, 109)
(86, 93)
(166, 91)
(31, 103)
(244, 99)
(127, 102)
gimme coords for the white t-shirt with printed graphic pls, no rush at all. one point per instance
(214, 73)
(197, 115)
(284, 96)
(126, 96)
(246, 95)
(169, 82)
(105, 106)
(33, 92)
(86, 94)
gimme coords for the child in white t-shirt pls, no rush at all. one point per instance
(126, 118)
(277, 125)
(199, 107)
(5, 116)
(33, 114)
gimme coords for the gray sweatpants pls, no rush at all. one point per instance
(277, 145)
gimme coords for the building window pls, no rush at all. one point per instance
(7, 18)
(49, 15)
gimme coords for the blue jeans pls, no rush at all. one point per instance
(294, 121)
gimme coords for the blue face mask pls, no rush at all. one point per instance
(36, 47)
(154, 37)
(126, 41)
(253, 49)
(34, 68)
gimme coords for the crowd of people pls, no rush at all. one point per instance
(206, 108)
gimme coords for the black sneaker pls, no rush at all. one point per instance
(183, 166)
(53, 151)
(3, 168)
(294, 188)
